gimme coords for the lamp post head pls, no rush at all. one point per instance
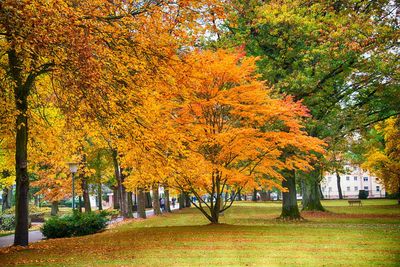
(73, 167)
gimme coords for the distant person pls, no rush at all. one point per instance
(173, 202)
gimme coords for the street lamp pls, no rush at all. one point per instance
(73, 168)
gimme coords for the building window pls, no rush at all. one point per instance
(366, 188)
(355, 178)
(378, 188)
(347, 178)
(365, 179)
(330, 189)
(356, 188)
(348, 188)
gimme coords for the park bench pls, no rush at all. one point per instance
(355, 201)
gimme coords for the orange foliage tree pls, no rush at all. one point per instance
(234, 131)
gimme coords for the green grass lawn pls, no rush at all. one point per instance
(249, 236)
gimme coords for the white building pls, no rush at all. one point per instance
(352, 181)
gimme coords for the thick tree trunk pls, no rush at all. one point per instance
(187, 200)
(86, 198)
(21, 159)
(22, 85)
(254, 198)
(339, 187)
(239, 196)
(130, 205)
(156, 200)
(54, 208)
(5, 196)
(181, 200)
(290, 210)
(141, 203)
(100, 197)
(116, 199)
(167, 202)
(312, 201)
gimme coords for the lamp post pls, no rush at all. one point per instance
(73, 168)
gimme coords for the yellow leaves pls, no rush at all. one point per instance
(384, 161)
(230, 122)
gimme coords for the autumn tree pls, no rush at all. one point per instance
(92, 49)
(382, 157)
(234, 132)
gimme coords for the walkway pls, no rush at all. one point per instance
(35, 236)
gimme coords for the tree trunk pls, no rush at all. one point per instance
(36, 200)
(187, 200)
(303, 191)
(85, 192)
(121, 188)
(22, 87)
(100, 197)
(141, 203)
(321, 195)
(149, 203)
(312, 201)
(167, 202)
(339, 187)
(263, 195)
(239, 196)
(80, 203)
(181, 200)
(116, 199)
(130, 205)
(254, 198)
(54, 208)
(398, 199)
(21, 158)
(156, 200)
(6, 198)
(290, 210)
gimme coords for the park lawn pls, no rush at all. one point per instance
(250, 236)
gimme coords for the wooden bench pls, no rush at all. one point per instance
(355, 201)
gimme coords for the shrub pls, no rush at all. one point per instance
(7, 222)
(77, 224)
(109, 213)
(362, 194)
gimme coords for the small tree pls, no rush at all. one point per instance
(234, 133)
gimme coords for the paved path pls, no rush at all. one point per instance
(35, 236)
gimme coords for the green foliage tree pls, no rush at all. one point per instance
(338, 56)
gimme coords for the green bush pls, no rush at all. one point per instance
(77, 224)
(7, 222)
(109, 213)
(362, 194)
